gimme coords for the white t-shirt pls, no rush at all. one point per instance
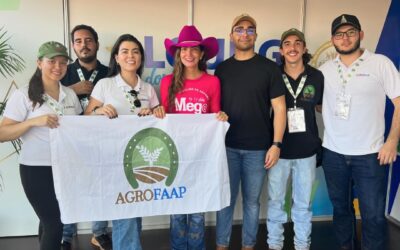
(35, 149)
(374, 79)
(111, 90)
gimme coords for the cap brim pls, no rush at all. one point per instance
(51, 56)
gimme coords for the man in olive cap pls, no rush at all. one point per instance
(304, 87)
(357, 83)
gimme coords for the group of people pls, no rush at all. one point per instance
(273, 130)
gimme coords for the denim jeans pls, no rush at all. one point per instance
(187, 232)
(370, 185)
(98, 228)
(246, 168)
(303, 175)
(126, 234)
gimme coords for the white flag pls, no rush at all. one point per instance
(107, 169)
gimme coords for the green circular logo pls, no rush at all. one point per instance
(150, 157)
(309, 92)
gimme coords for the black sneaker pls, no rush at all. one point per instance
(103, 242)
(65, 245)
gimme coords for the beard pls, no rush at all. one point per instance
(88, 59)
(351, 50)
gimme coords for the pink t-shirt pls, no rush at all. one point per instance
(199, 96)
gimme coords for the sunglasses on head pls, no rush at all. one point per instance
(136, 102)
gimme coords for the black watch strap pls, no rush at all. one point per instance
(277, 143)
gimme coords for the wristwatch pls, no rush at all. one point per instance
(278, 144)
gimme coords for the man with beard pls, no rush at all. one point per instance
(250, 85)
(357, 82)
(304, 87)
(84, 73)
(81, 76)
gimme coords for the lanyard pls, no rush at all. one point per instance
(299, 88)
(92, 76)
(352, 71)
(57, 107)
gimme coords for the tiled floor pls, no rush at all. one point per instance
(322, 239)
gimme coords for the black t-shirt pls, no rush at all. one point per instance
(304, 144)
(247, 88)
(72, 76)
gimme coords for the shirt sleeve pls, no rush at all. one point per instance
(164, 85)
(98, 90)
(390, 78)
(277, 86)
(153, 97)
(216, 97)
(17, 107)
(77, 104)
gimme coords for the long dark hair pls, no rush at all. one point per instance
(36, 88)
(114, 68)
(178, 76)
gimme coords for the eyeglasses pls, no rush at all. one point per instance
(136, 102)
(241, 31)
(349, 33)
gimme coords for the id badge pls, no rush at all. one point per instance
(342, 106)
(84, 103)
(296, 120)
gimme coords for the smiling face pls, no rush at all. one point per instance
(293, 49)
(244, 36)
(54, 69)
(129, 57)
(191, 56)
(347, 39)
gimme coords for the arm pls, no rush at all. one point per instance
(82, 87)
(388, 153)
(12, 130)
(279, 108)
(96, 107)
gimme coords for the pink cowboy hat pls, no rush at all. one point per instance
(190, 37)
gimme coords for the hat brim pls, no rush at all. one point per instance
(209, 45)
(52, 55)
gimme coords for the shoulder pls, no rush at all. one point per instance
(326, 65)
(225, 63)
(166, 79)
(102, 67)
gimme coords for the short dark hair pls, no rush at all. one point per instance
(114, 68)
(85, 27)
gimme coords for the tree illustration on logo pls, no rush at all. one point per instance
(150, 157)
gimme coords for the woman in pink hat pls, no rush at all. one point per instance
(190, 90)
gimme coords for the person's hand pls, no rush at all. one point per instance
(107, 110)
(144, 112)
(159, 112)
(272, 156)
(82, 87)
(388, 152)
(50, 120)
(222, 116)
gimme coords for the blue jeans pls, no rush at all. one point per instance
(98, 228)
(187, 232)
(246, 168)
(303, 175)
(126, 234)
(370, 186)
